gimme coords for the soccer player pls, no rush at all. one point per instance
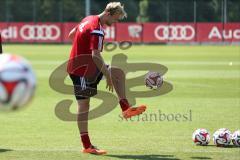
(0, 44)
(86, 68)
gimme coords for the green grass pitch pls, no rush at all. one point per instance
(205, 85)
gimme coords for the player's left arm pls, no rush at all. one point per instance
(98, 60)
(96, 46)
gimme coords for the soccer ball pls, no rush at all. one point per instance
(201, 137)
(17, 82)
(236, 138)
(222, 137)
(153, 80)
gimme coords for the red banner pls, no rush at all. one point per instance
(129, 32)
(149, 35)
(134, 32)
(31, 32)
(67, 27)
(209, 32)
(173, 32)
(231, 32)
(110, 34)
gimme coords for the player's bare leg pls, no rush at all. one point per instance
(118, 79)
(82, 121)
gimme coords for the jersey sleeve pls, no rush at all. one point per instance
(96, 40)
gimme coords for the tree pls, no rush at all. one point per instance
(143, 11)
(209, 10)
(233, 10)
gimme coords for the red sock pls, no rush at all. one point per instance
(124, 104)
(85, 140)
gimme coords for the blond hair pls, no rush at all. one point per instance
(116, 8)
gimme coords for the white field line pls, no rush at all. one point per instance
(221, 150)
(221, 74)
(47, 62)
(202, 85)
(171, 74)
(57, 62)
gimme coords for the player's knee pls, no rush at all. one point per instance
(83, 105)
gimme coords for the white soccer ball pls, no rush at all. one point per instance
(153, 80)
(17, 82)
(222, 137)
(201, 137)
(236, 138)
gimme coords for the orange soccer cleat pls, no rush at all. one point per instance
(134, 111)
(94, 150)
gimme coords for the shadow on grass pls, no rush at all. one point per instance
(5, 150)
(212, 145)
(201, 158)
(230, 146)
(145, 157)
(209, 145)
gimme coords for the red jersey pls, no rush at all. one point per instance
(89, 36)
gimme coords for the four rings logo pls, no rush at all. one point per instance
(176, 32)
(40, 32)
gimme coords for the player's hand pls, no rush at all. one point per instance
(109, 82)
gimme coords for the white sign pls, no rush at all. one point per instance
(174, 32)
(226, 34)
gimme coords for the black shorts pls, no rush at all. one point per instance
(85, 87)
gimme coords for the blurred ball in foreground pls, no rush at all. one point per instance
(17, 82)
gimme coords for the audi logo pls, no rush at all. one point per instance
(176, 32)
(40, 32)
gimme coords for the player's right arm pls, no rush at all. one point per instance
(72, 33)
